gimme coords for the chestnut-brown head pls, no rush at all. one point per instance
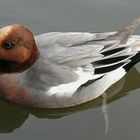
(18, 50)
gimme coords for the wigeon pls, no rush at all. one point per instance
(58, 69)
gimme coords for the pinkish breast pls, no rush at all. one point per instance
(12, 91)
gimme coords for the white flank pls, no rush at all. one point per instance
(67, 95)
(70, 88)
(100, 86)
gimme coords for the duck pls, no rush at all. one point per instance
(63, 69)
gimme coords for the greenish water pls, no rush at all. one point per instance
(86, 121)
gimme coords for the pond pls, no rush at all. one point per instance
(119, 119)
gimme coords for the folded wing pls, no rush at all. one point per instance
(104, 51)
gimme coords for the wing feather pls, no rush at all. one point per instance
(103, 50)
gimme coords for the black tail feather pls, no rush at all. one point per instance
(135, 59)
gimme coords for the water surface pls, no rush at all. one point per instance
(86, 121)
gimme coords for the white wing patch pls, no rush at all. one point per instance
(84, 75)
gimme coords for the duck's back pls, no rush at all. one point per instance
(77, 67)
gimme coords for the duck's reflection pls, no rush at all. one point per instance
(12, 116)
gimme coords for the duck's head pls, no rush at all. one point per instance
(18, 50)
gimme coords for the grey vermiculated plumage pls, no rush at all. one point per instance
(66, 57)
(79, 49)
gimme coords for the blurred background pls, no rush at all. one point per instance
(86, 121)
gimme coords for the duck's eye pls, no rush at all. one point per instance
(8, 45)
